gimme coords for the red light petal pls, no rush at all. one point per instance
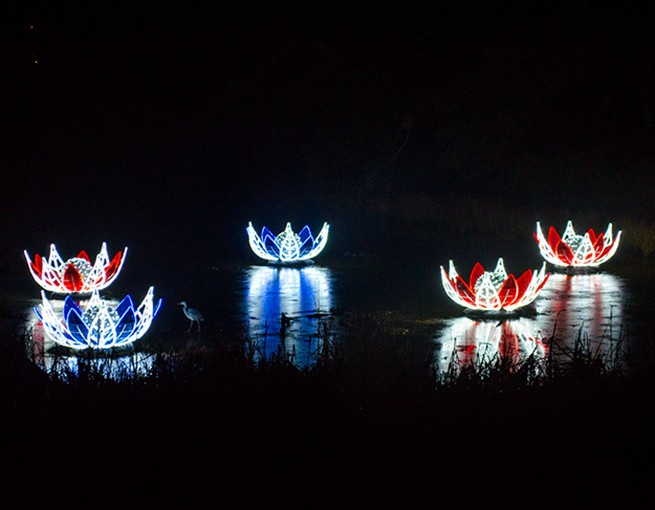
(598, 244)
(84, 256)
(564, 253)
(477, 272)
(523, 283)
(73, 279)
(606, 250)
(113, 265)
(37, 266)
(592, 236)
(553, 239)
(464, 291)
(508, 291)
(599, 249)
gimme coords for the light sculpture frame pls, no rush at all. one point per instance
(287, 247)
(573, 250)
(493, 291)
(99, 326)
(75, 275)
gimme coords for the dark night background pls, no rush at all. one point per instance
(167, 128)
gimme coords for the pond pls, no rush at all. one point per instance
(294, 309)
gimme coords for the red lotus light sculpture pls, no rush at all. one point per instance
(573, 250)
(76, 274)
(493, 291)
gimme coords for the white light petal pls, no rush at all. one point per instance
(488, 286)
(288, 243)
(584, 252)
(54, 268)
(102, 328)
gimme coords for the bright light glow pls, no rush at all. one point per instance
(572, 250)
(493, 290)
(465, 341)
(287, 246)
(583, 307)
(302, 294)
(76, 274)
(99, 326)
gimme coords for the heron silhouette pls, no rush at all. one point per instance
(192, 314)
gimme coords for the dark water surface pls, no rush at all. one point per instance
(295, 309)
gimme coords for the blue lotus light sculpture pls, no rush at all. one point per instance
(99, 326)
(287, 247)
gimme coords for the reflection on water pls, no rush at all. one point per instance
(110, 363)
(570, 307)
(468, 341)
(590, 305)
(286, 307)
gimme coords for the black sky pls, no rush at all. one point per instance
(174, 125)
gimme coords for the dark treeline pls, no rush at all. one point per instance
(369, 423)
(133, 122)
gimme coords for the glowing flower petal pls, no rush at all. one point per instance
(76, 274)
(99, 326)
(572, 250)
(287, 246)
(493, 290)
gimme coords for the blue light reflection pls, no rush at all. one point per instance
(286, 307)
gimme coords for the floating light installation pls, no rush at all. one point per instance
(287, 246)
(76, 274)
(493, 291)
(572, 250)
(99, 326)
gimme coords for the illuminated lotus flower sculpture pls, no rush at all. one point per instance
(287, 246)
(493, 291)
(99, 326)
(572, 250)
(76, 274)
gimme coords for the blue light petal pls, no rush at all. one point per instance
(306, 241)
(266, 232)
(268, 240)
(157, 307)
(124, 305)
(126, 324)
(76, 328)
(70, 304)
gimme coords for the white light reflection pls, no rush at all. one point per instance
(467, 341)
(110, 364)
(587, 306)
(285, 308)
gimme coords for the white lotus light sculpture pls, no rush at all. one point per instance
(76, 274)
(99, 326)
(493, 291)
(573, 250)
(287, 246)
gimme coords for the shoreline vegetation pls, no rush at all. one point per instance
(371, 421)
